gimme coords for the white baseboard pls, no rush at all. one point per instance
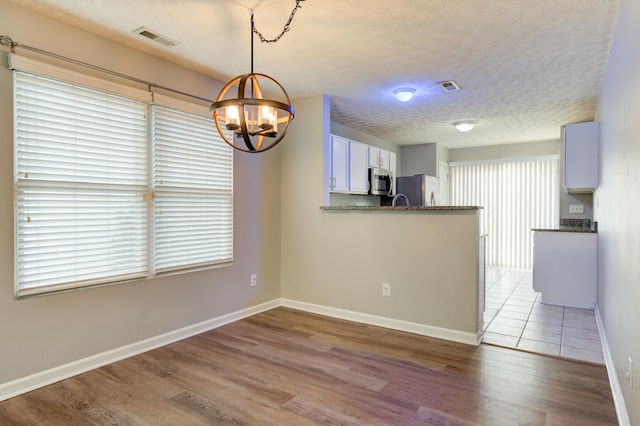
(410, 327)
(47, 377)
(616, 390)
(56, 374)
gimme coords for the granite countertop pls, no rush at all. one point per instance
(401, 208)
(568, 229)
(573, 225)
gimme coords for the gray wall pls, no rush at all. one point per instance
(45, 332)
(419, 160)
(423, 159)
(493, 152)
(329, 259)
(618, 202)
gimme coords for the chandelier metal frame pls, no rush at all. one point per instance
(252, 123)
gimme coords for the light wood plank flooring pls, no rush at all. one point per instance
(287, 367)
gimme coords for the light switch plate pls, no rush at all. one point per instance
(576, 208)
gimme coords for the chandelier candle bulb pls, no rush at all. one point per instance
(232, 121)
(268, 118)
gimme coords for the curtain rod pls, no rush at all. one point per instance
(8, 41)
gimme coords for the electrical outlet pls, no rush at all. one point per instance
(630, 373)
(576, 208)
(254, 280)
(386, 289)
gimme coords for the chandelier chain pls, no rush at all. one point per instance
(286, 28)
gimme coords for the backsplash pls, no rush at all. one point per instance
(336, 199)
(578, 223)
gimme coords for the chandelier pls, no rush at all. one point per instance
(258, 117)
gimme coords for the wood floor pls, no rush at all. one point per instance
(287, 367)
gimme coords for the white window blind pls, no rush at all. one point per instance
(192, 183)
(80, 171)
(109, 187)
(516, 196)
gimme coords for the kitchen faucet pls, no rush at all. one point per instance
(397, 196)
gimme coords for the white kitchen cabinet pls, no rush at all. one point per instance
(339, 180)
(374, 156)
(381, 158)
(580, 156)
(565, 268)
(358, 168)
(350, 163)
(385, 159)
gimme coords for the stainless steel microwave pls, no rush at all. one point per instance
(380, 181)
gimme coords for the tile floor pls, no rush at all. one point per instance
(514, 317)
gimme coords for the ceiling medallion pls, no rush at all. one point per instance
(252, 122)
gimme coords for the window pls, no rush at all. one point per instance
(192, 180)
(516, 196)
(110, 187)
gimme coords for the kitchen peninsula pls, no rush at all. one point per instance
(430, 258)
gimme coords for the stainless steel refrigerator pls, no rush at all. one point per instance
(421, 190)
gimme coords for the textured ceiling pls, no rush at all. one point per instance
(525, 67)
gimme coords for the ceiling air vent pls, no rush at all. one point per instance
(449, 86)
(156, 36)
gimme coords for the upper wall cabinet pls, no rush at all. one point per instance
(580, 156)
(374, 156)
(380, 158)
(358, 169)
(350, 162)
(339, 180)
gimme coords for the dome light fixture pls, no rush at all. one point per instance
(251, 122)
(465, 125)
(404, 94)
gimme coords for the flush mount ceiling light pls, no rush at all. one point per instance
(251, 122)
(465, 125)
(404, 93)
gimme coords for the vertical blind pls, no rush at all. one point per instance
(516, 196)
(101, 199)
